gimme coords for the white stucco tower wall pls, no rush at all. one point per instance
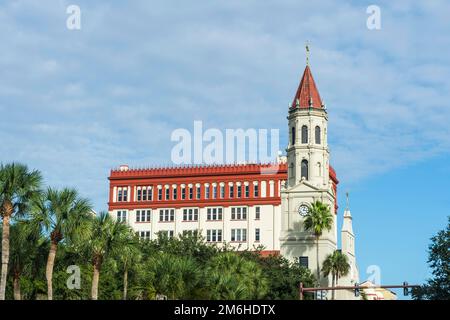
(348, 248)
(308, 177)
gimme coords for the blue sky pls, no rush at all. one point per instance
(76, 103)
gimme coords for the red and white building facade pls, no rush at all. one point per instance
(237, 204)
(247, 205)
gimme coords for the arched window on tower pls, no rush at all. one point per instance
(304, 169)
(317, 135)
(293, 136)
(304, 134)
(319, 169)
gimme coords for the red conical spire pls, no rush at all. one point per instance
(307, 94)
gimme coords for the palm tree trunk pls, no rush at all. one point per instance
(5, 254)
(332, 284)
(95, 280)
(16, 283)
(317, 256)
(337, 278)
(125, 284)
(49, 269)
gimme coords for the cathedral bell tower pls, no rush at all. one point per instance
(307, 152)
(310, 177)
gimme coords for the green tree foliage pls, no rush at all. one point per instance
(285, 278)
(231, 276)
(317, 221)
(57, 229)
(337, 265)
(18, 187)
(64, 216)
(106, 237)
(438, 287)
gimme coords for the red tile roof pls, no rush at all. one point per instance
(307, 92)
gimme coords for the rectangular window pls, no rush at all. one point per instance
(139, 195)
(214, 214)
(256, 190)
(303, 262)
(257, 213)
(143, 215)
(122, 216)
(239, 191)
(238, 235)
(149, 194)
(239, 213)
(191, 193)
(231, 191)
(247, 191)
(198, 192)
(160, 194)
(222, 192)
(144, 235)
(167, 194)
(119, 195)
(166, 215)
(257, 234)
(215, 192)
(144, 194)
(146, 191)
(125, 194)
(183, 193)
(207, 192)
(214, 235)
(175, 193)
(190, 214)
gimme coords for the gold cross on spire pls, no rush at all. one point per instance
(307, 52)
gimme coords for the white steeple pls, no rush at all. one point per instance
(348, 248)
(347, 225)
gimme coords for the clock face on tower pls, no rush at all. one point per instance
(303, 210)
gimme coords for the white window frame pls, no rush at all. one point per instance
(214, 235)
(214, 214)
(166, 215)
(238, 235)
(239, 213)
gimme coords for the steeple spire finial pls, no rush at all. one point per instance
(307, 52)
(348, 202)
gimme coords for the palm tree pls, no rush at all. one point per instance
(64, 216)
(173, 276)
(24, 250)
(129, 258)
(18, 187)
(231, 276)
(337, 265)
(107, 237)
(318, 219)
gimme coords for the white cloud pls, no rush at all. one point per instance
(81, 102)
